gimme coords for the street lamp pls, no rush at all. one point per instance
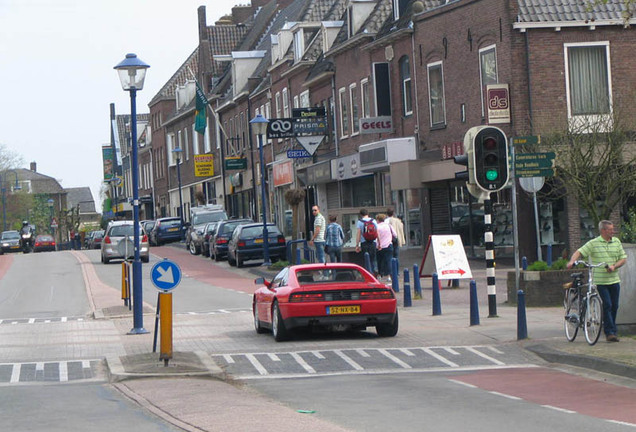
(4, 195)
(259, 126)
(177, 153)
(50, 203)
(132, 72)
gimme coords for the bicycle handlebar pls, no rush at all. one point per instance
(591, 265)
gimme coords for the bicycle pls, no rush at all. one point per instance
(583, 309)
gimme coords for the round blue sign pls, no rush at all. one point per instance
(165, 275)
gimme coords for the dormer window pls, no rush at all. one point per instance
(299, 45)
(399, 8)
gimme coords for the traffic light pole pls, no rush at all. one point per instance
(490, 259)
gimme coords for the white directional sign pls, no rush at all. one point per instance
(310, 143)
(165, 275)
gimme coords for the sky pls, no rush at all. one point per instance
(56, 63)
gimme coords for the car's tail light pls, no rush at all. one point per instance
(107, 240)
(376, 295)
(38, 243)
(52, 243)
(281, 240)
(241, 244)
(306, 297)
(221, 241)
(144, 239)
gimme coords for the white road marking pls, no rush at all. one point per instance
(63, 371)
(64, 319)
(563, 410)
(257, 365)
(363, 353)
(31, 320)
(228, 358)
(464, 384)
(406, 352)
(303, 363)
(494, 349)
(394, 359)
(318, 355)
(439, 357)
(450, 351)
(39, 366)
(273, 357)
(348, 359)
(86, 364)
(15, 373)
(505, 395)
(482, 355)
(622, 423)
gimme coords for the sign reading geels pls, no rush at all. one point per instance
(376, 125)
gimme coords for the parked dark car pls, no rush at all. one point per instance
(224, 230)
(199, 217)
(208, 232)
(94, 241)
(147, 225)
(44, 243)
(166, 230)
(10, 242)
(247, 244)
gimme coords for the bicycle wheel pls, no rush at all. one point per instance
(571, 321)
(593, 319)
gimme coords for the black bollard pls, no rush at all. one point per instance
(474, 304)
(395, 282)
(522, 327)
(437, 304)
(407, 289)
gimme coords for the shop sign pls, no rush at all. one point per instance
(283, 173)
(346, 167)
(203, 165)
(319, 173)
(376, 125)
(235, 163)
(452, 149)
(498, 99)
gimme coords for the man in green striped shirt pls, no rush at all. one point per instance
(608, 249)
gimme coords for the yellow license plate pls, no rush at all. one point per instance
(342, 310)
(173, 229)
(258, 240)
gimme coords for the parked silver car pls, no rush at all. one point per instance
(118, 242)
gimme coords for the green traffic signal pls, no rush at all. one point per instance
(492, 174)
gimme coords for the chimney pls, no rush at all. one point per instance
(34, 167)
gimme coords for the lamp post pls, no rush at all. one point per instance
(177, 153)
(4, 196)
(50, 203)
(132, 72)
(259, 125)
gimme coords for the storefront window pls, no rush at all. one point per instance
(358, 192)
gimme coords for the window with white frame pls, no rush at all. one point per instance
(304, 99)
(588, 79)
(299, 45)
(405, 79)
(366, 106)
(285, 102)
(171, 145)
(436, 94)
(296, 102)
(355, 113)
(344, 117)
(278, 105)
(195, 141)
(206, 137)
(487, 71)
(185, 143)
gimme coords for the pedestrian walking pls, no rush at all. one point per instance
(366, 236)
(385, 245)
(334, 239)
(318, 239)
(608, 249)
(398, 227)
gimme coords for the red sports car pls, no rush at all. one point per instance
(335, 296)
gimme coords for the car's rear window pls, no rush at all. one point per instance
(257, 231)
(329, 275)
(203, 218)
(121, 231)
(228, 228)
(171, 223)
(44, 238)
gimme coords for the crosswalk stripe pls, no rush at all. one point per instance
(482, 355)
(273, 357)
(363, 353)
(318, 355)
(303, 363)
(257, 365)
(15, 373)
(439, 357)
(394, 359)
(63, 371)
(348, 359)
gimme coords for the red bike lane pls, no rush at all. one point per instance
(559, 390)
(205, 270)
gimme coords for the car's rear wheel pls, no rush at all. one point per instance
(194, 250)
(257, 322)
(231, 261)
(388, 330)
(145, 259)
(279, 330)
(105, 260)
(217, 258)
(239, 261)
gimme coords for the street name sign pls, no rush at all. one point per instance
(235, 163)
(526, 140)
(535, 164)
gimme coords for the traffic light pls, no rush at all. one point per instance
(466, 160)
(490, 152)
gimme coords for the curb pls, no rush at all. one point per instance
(597, 364)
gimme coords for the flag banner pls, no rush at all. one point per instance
(200, 119)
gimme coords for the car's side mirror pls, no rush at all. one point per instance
(262, 281)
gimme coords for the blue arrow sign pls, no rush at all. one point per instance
(165, 275)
